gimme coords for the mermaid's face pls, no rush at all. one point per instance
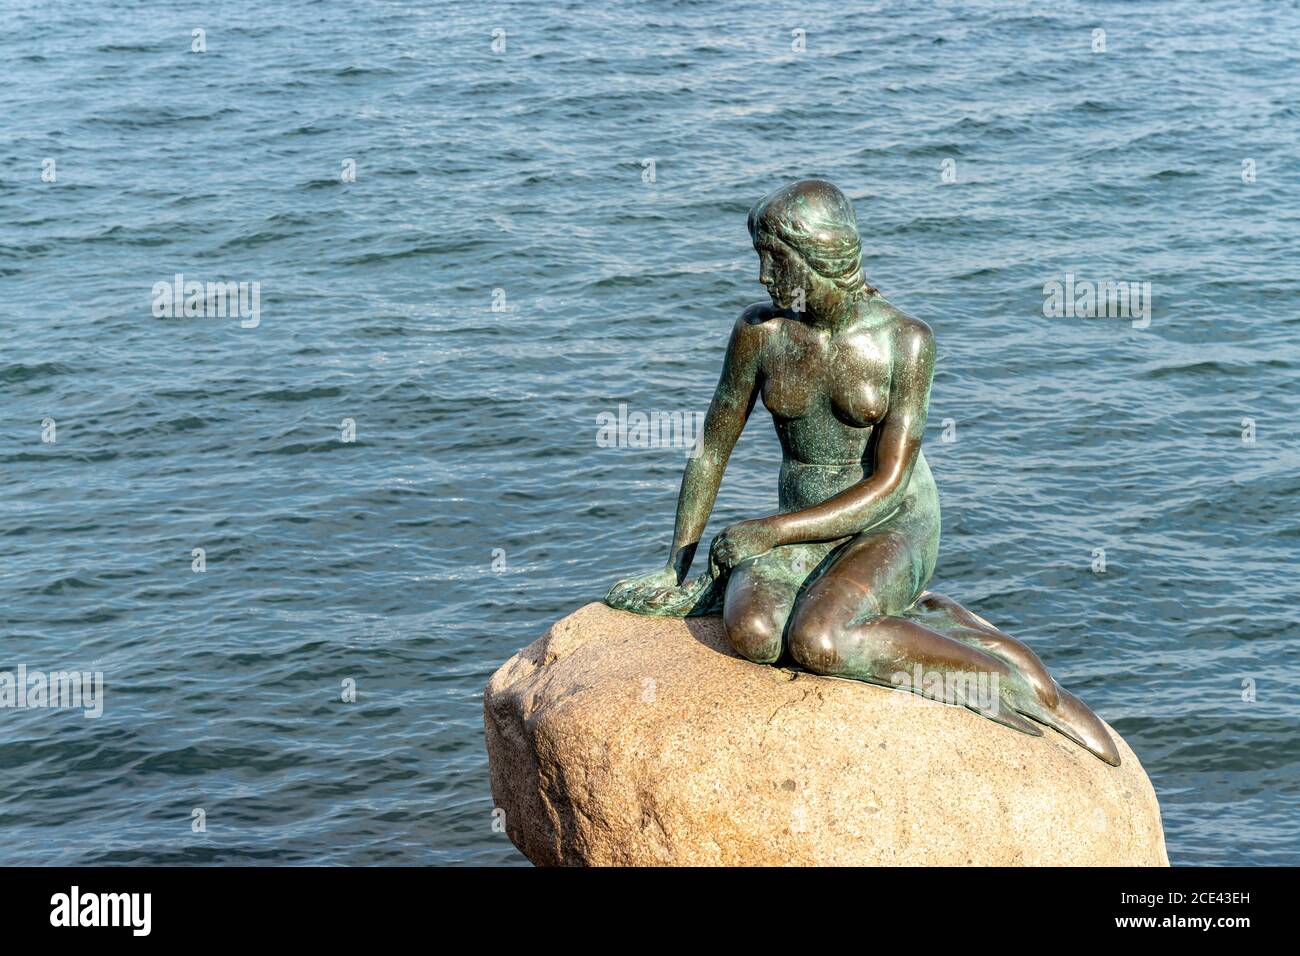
(784, 272)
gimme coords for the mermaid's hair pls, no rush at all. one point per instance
(816, 220)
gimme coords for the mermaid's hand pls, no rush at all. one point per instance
(640, 591)
(741, 541)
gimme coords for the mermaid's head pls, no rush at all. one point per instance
(806, 236)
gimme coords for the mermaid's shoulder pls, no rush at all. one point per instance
(755, 328)
(911, 335)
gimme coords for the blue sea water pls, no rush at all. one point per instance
(475, 505)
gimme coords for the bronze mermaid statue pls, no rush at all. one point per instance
(836, 579)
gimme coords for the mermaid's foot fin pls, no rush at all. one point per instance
(1074, 719)
(1007, 717)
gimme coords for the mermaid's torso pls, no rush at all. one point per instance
(803, 485)
(827, 396)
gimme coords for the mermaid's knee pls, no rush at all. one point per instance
(754, 635)
(814, 643)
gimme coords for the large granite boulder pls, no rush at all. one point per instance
(616, 739)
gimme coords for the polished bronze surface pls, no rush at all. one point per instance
(836, 579)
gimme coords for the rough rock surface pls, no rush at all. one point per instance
(617, 739)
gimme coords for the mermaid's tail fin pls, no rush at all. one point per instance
(1073, 718)
(1004, 715)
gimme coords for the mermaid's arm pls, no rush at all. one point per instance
(733, 400)
(878, 496)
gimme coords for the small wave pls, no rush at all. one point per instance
(16, 372)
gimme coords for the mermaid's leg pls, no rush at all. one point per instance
(833, 628)
(759, 595)
(948, 617)
(849, 623)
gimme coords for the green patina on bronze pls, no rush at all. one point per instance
(836, 579)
